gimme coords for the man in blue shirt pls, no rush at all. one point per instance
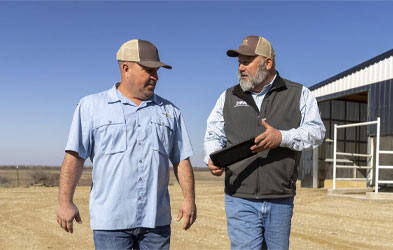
(129, 133)
(283, 118)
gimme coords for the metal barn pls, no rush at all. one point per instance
(360, 94)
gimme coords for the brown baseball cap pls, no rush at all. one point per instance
(142, 52)
(253, 46)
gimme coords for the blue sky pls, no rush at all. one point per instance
(54, 53)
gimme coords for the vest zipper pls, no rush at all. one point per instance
(259, 123)
(259, 160)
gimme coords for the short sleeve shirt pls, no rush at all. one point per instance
(130, 147)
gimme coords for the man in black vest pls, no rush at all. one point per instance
(284, 119)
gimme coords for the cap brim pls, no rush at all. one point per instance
(237, 52)
(154, 64)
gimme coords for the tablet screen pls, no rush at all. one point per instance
(235, 153)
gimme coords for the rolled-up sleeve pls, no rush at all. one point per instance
(80, 136)
(182, 148)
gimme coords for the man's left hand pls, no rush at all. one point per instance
(187, 210)
(269, 139)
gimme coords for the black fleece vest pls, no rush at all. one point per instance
(272, 173)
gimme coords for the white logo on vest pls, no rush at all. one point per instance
(241, 104)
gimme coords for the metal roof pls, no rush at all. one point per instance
(374, 70)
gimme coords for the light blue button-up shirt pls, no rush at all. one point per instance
(308, 135)
(130, 147)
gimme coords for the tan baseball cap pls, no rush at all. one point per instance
(253, 46)
(142, 52)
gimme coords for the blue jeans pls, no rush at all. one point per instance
(259, 224)
(135, 238)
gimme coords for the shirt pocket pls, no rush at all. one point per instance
(112, 137)
(162, 134)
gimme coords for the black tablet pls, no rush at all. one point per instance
(235, 153)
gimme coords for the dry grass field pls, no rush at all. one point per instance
(28, 220)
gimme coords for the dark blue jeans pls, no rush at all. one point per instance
(135, 238)
(258, 224)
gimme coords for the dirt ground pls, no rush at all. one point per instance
(28, 220)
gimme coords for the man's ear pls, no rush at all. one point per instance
(269, 63)
(125, 67)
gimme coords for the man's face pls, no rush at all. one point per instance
(252, 72)
(248, 66)
(143, 80)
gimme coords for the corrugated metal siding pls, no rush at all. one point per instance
(376, 72)
(381, 105)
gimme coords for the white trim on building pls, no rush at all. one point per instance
(361, 75)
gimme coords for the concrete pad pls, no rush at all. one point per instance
(379, 196)
(360, 194)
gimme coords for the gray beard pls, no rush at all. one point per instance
(255, 80)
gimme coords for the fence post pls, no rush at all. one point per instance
(370, 162)
(334, 156)
(377, 156)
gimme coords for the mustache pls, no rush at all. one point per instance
(240, 74)
(151, 82)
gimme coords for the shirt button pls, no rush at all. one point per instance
(140, 179)
(139, 143)
(139, 125)
(139, 198)
(140, 161)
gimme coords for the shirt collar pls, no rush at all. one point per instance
(156, 99)
(266, 88)
(114, 95)
(111, 95)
